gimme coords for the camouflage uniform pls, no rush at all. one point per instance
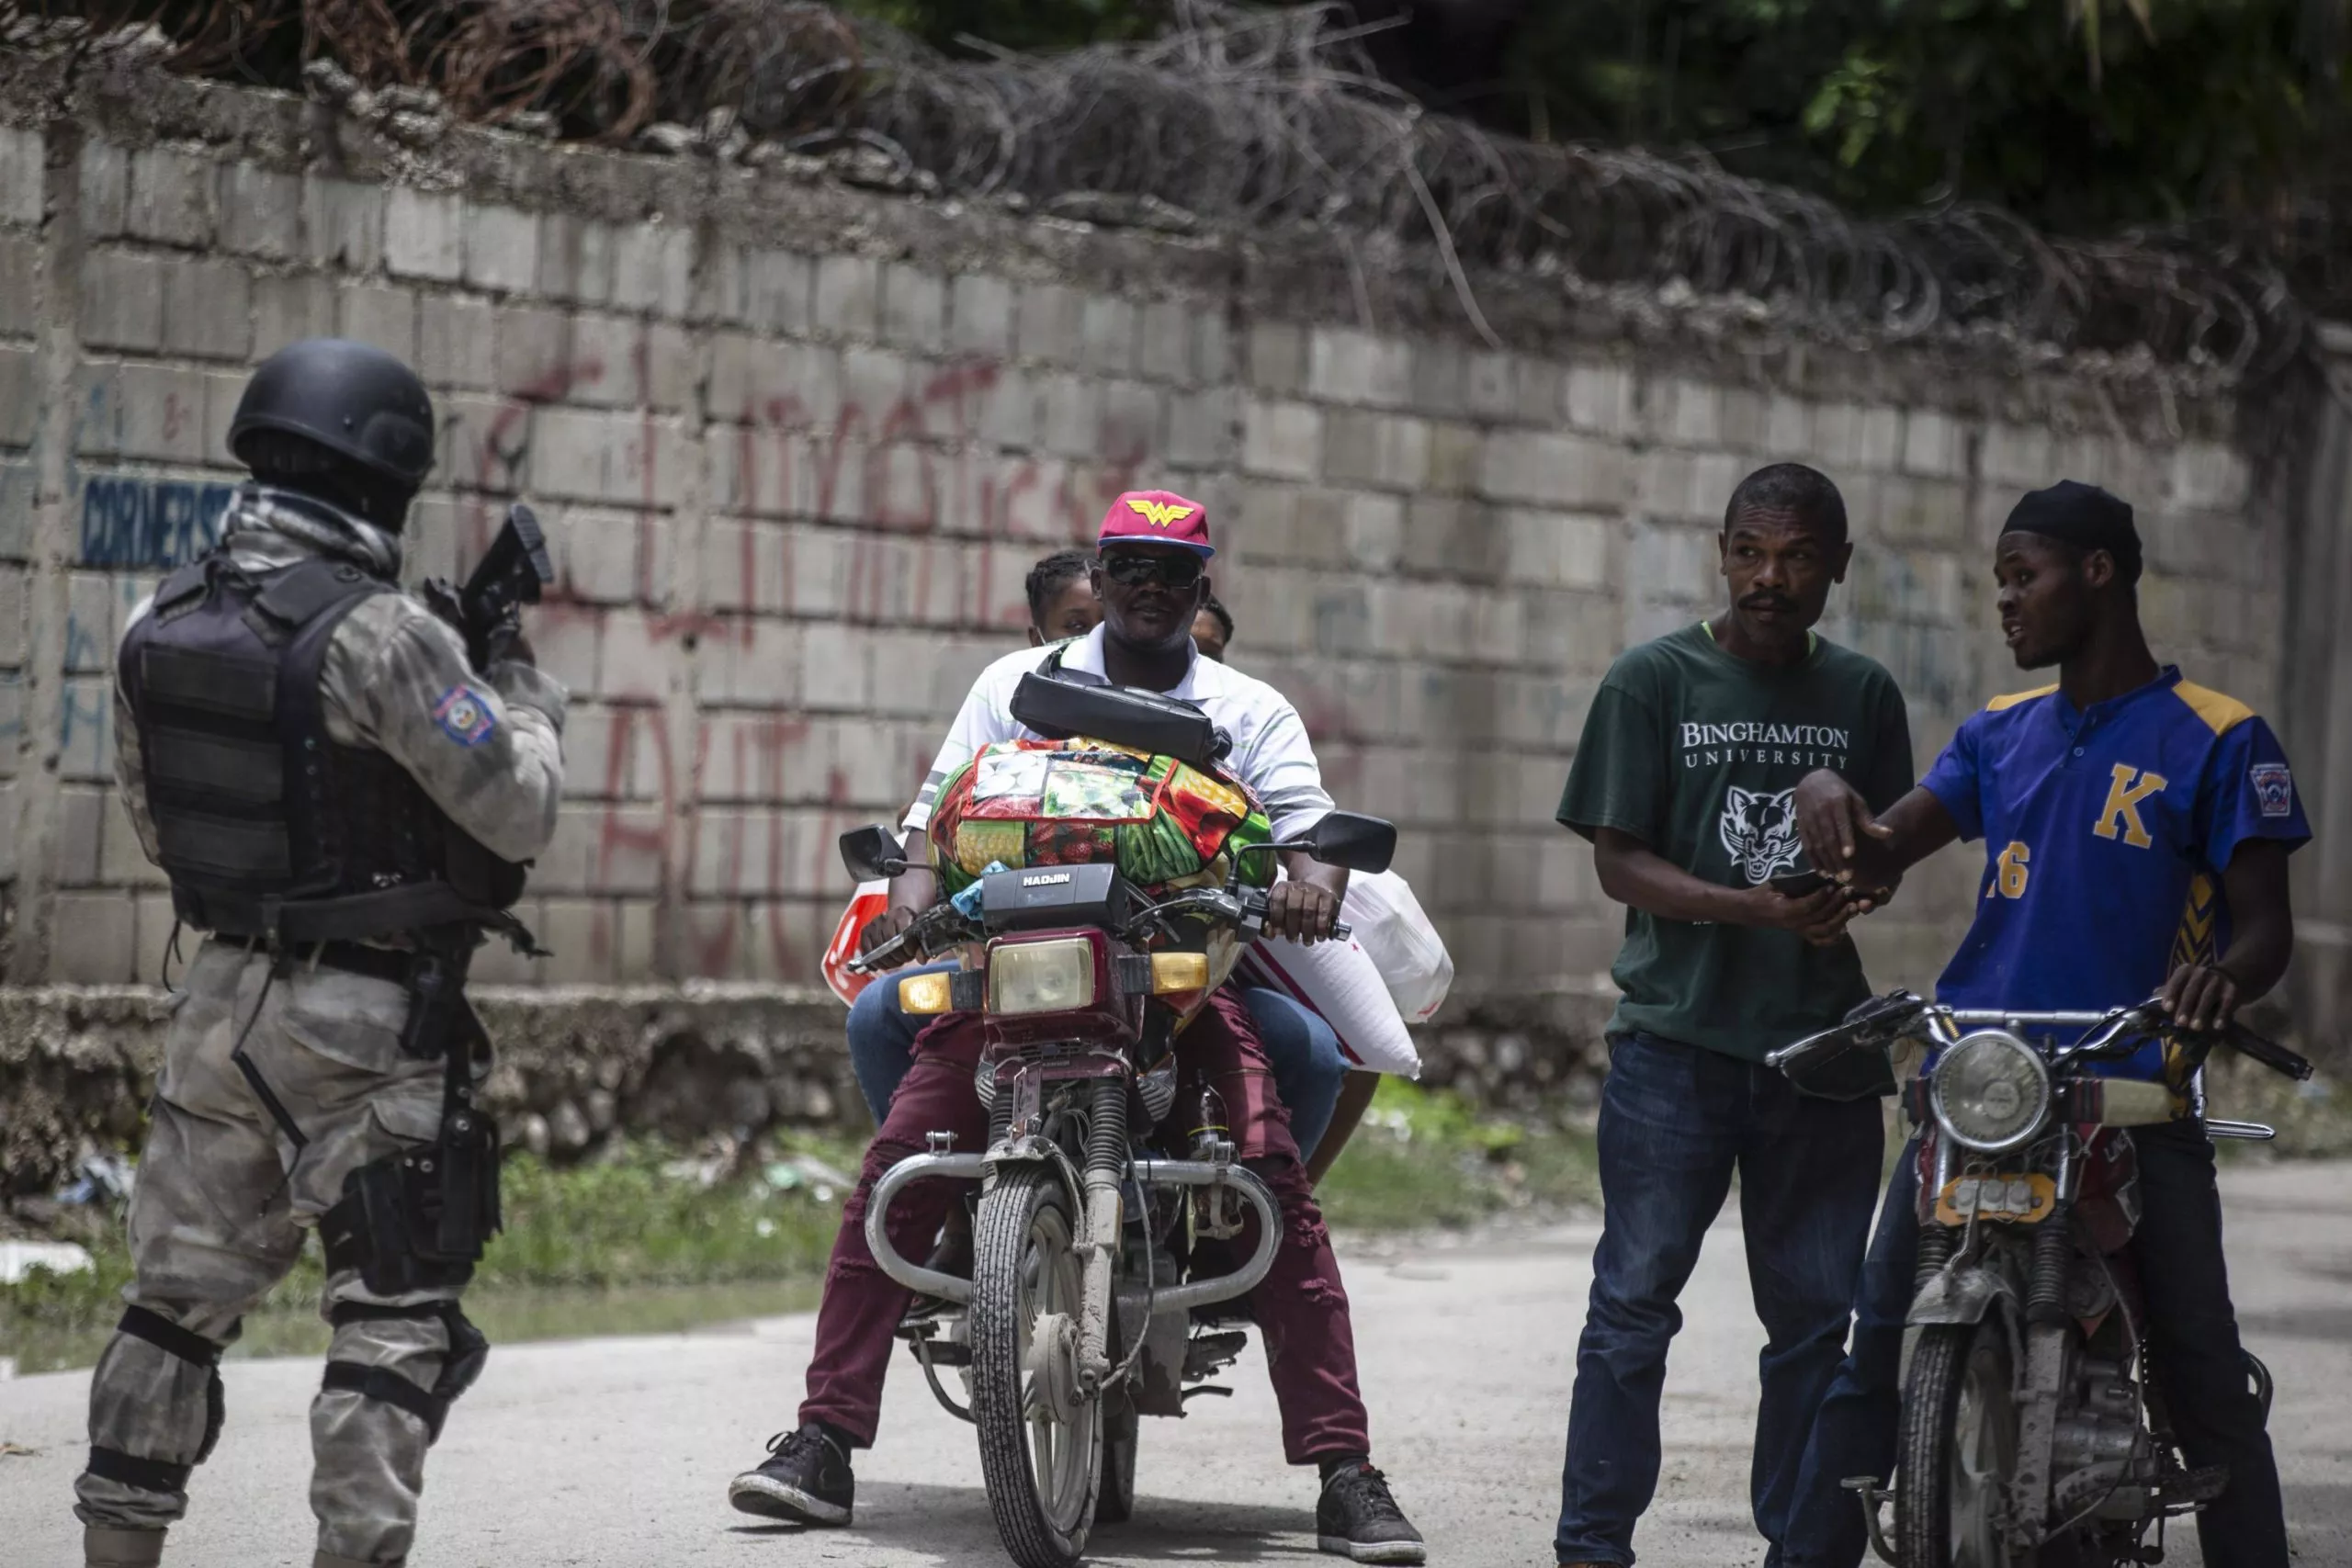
(223, 1197)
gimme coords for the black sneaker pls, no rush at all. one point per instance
(1358, 1518)
(805, 1481)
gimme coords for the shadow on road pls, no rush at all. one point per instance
(947, 1522)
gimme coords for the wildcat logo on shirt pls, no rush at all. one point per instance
(1760, 833)
(2274, 789)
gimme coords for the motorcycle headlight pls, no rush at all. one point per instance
(1041, 976)
(1990, 1091)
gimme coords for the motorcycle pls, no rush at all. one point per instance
(1087, 1307)
(2031, 1431)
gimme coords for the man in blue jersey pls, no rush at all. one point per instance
(2136, 830)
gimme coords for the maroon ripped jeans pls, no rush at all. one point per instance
(1300, 1307)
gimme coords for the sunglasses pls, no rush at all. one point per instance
(1132, 570)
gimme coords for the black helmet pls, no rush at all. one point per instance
(355, 399)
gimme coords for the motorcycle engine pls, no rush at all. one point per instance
(2100, 1428)
(2090, 1290)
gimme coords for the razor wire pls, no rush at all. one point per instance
(1259, 122)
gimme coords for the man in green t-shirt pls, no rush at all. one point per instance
(1683, 782)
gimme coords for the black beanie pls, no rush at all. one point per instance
(2085, 517)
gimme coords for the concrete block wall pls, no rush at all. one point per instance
(798, 448)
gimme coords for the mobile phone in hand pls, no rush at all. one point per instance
(1799, 885)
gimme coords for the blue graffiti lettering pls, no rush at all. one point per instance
(150, 523)
(85, 706)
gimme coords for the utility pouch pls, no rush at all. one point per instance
(430, 990)
(469, 1212)
(389, 1226)
(405, 1226)
(419, 1219)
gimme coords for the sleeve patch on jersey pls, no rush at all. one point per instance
(2274, 788)
(464, 716)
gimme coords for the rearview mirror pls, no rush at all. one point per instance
(1359, 843)
(873, 853)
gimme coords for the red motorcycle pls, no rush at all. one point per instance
(2031, 1431)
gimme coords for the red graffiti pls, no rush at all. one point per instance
(716, 849)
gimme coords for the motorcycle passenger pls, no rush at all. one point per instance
(2136, 830)
(1213, 630)
(1150, 578)
(317, 1042)
(1311, 1072)
(1062, 602)
(1682, 782)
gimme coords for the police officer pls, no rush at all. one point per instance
(341, 794)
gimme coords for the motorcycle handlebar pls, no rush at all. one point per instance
(945, 921)
(2120, 1023)
(2270, 1053)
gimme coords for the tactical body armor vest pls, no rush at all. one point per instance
(266, 827)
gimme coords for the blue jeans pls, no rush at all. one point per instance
(1308, 1065)
(882, 1038)
(2194, 1346)
(1676, 1121)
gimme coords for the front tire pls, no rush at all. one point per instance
(1958, 1450)
(1040, 1455)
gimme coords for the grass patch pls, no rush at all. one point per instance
(1425, 1157)
(646, 1240)
(640, 1241)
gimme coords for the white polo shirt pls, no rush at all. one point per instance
(1271, 752)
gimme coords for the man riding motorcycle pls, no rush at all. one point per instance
(1154, 547)
(1311, 1071)
(2137, 830)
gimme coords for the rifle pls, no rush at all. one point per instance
(515, 572)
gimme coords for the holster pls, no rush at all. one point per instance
(418, 1218)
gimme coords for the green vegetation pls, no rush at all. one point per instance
(640, 1241)
(1425, 1157)
(2079, 114)
(646, 1241)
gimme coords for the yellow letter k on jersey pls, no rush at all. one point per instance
(2121, 812)
(1158, 514)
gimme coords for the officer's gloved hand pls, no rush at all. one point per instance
(441, 597)
(507, 645)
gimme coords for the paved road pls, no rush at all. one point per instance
(616, 1451)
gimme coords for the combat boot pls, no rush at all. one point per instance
(121, 1549)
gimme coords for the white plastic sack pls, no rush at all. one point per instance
(1392, 965)
(1338, 981)
(1411, 957)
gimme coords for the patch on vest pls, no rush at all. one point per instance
(2274, 788)
(1760, 833)
(464, 716)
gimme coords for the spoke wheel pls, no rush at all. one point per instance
(1041, 1447)
(1960, 1447)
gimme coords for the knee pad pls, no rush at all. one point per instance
(469, 1353)
(154, 1474)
